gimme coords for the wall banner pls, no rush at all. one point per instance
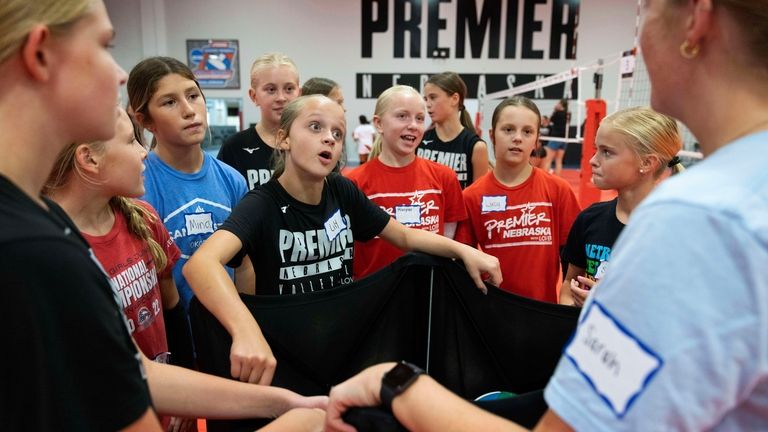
(215, 63)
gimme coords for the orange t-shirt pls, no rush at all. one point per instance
(524, 227)
(423, 195)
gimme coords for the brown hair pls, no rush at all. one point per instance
(144, 78)
(516, 101)
(451, 83)
(317, 85)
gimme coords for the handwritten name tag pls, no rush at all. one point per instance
(614, 361)
(494, 203)
(408, 214)
(334, 225)
(199, 223)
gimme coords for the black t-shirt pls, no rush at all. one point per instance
(557, 123)
(246, 152)
(68, 362)
(592, 236)
(297, 247)
(455, 154)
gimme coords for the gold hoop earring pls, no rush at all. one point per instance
(687, 51)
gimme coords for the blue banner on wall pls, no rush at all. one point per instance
(215, 63)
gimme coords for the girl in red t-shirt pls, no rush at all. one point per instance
(518, 213)
(416, 192)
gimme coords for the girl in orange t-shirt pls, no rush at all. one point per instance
(416, 192)
(518, 213)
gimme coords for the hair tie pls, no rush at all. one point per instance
(462, 108)
(675, 160)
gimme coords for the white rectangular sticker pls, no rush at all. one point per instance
(613, 360)
(494, 203)
(334, 225)
(408, 214)
(199, 223)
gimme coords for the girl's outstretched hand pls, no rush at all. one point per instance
(481, 267)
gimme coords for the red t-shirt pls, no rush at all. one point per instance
(423, 195)
(524, 227)
(129, 264)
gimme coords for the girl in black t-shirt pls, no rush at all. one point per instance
(634, 148)
(299, 231)
(453, 140)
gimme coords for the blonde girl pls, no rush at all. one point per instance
(299, 230)
(274, 83)
(452, 141)
(635, 147)
(416, 192)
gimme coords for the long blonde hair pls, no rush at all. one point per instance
(136, 216)
(649, 133)
(17, 17)
(382, 106)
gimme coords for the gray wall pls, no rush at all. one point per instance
(324, 39)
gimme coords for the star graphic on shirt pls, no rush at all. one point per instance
(251, 150)
(284, 208)
(417, 197)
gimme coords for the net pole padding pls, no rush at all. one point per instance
(588, 193)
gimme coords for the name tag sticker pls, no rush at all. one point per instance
(494, 203)
(334, 225)
(199, 223)
(614, 362)
(408, 214)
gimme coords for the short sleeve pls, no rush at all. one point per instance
(163, 238)
(569, 210)
(454, 201)
(245, 222)
(465, 231)
(368, 219)
(696, 300)
(574, 252)
(75, 367)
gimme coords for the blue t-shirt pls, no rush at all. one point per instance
(676, 335)
(192, 206)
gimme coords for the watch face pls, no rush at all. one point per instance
(401, 374)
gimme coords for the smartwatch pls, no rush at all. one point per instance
(397, 380)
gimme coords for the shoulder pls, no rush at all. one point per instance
(231, 174)
(437, 169)
(361, 172)
(238, 139)
(483, 185)
(339, 182)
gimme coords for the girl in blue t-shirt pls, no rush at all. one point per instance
(634, 148)
(192, 192)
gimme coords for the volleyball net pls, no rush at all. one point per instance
(624, 78)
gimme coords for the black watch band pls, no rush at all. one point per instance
(397, 380)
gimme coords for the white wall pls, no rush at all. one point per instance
(323, 38)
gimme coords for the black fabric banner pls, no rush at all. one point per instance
(422, 309)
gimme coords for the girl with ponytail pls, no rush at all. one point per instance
(95, 184)
(452, 141)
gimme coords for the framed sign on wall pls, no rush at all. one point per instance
(215, 62)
